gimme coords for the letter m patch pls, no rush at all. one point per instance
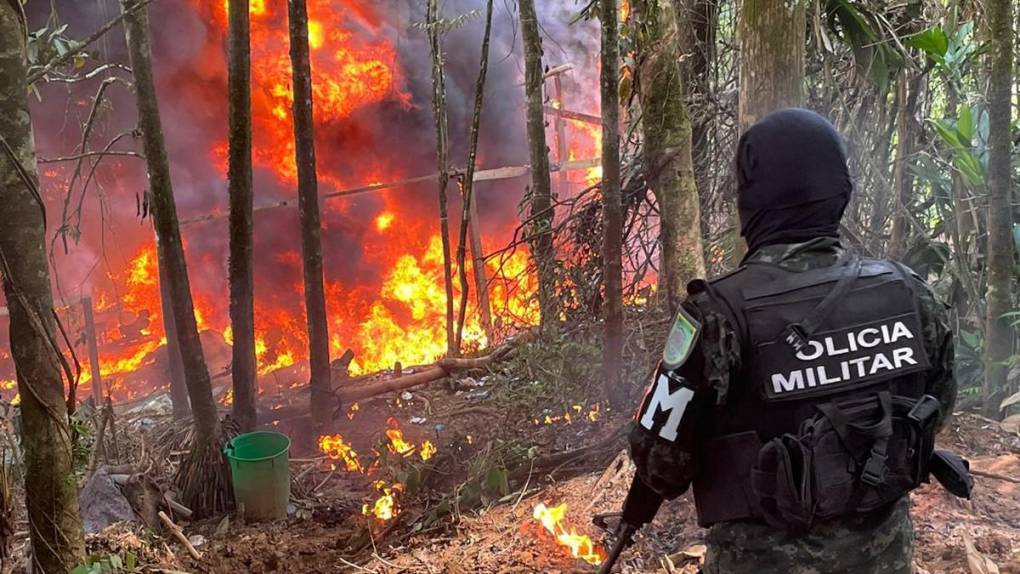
(664, 408)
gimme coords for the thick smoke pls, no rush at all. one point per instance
(385, 141)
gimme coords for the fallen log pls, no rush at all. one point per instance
(355, 393)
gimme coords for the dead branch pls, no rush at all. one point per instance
(178, 533)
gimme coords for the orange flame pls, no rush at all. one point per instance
(336, 449)
(579, 544)
(397, 443)
(385, 506)
(427, 450)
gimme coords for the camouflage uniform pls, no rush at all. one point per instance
(877, 543)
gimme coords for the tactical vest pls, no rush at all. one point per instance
(827, 415)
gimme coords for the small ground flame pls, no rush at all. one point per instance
(385, 507)
(427, 450)
(579, 544)
(397, 443)
(336, 449)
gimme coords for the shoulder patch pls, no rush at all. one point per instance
(682, 336)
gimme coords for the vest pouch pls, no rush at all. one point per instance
(781, 480)
(867, 453)
(721, 487)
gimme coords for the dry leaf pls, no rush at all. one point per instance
(978, 562)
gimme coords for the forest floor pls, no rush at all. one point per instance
(528, 431)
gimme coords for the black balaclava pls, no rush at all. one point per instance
(793, 183)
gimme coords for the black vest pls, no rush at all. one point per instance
(808, 340)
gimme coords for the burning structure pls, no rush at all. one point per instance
(382, 250)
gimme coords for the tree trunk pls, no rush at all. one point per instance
(435, 33)
(239, 174)
(669, 167)
(468, 192)
(612, 211)
(770, 35)
(696, 20)
(998, 334)
(541, 214)
(903, 181)
(202, 477)
(175, 363)
(51, 495)
(770, 38)
(164, 215)
(323, 403)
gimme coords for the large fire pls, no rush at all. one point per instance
(580, 545)
(394, 314)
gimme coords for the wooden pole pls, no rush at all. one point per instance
(179, 397)
(478, 264)
(93, 347)
(561, 136)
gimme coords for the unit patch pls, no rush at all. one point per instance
(682, 336)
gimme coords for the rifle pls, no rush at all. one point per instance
(639, 508)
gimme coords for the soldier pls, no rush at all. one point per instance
(800, 394)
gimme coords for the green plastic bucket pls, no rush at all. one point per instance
(261, 474)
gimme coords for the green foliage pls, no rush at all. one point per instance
(958, 135)
(862, 30)
(109, 564)
(81, 447)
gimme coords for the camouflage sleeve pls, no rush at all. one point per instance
(938, 339)
(679, 404)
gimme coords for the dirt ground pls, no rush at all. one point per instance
(326, 531)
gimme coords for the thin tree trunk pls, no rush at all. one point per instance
(468, 199)
(435, 33)
(998, 333)
(903, 181)
(175, 363)
(669, 166)
(202, 478)
(239, 173)
(51, 495)
(541, 187)
(770, 38)
(164, 215)
(612, 210)
(323, 402)
(696, 20)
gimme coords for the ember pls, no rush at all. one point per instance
(580, 545)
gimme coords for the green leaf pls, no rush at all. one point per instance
(932, 42)
(965, 123)
(82, 569)
(948, 134)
